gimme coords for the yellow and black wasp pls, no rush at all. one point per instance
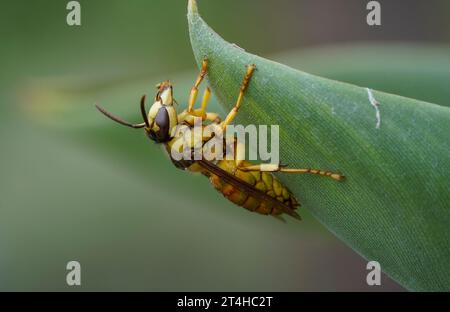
(251, 186)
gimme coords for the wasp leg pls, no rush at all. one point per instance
(239, 154)
(201, 112)
(245, 82)
(278, 168)
(205, 100)
(325, 173)
(185, 117)
(213, 117)
(194, 90)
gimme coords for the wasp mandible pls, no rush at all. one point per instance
(251, 186)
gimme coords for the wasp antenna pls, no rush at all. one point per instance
(144, 112)
(117, 119)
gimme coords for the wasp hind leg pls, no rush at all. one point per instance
(282, 168)
(244, 85)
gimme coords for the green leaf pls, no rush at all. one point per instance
(394, 206)
(412, 70)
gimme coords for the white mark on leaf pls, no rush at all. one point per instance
(375, 104)
(237, 47)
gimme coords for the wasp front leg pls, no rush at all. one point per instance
(194, 90)
(190, 113)
(188, 117)
(213, 117)
(201, 112)
(279, 168)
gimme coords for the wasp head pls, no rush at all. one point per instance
(159, 120)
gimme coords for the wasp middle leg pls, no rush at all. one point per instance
(244, 85)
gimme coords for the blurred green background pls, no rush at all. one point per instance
(75, 186)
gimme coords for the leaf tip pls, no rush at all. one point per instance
(192, 7)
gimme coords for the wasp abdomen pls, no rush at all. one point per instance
(262, 181)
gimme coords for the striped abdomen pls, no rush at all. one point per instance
(263, 181)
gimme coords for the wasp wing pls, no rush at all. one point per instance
(245, 187)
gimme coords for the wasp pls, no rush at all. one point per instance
(251, 186)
